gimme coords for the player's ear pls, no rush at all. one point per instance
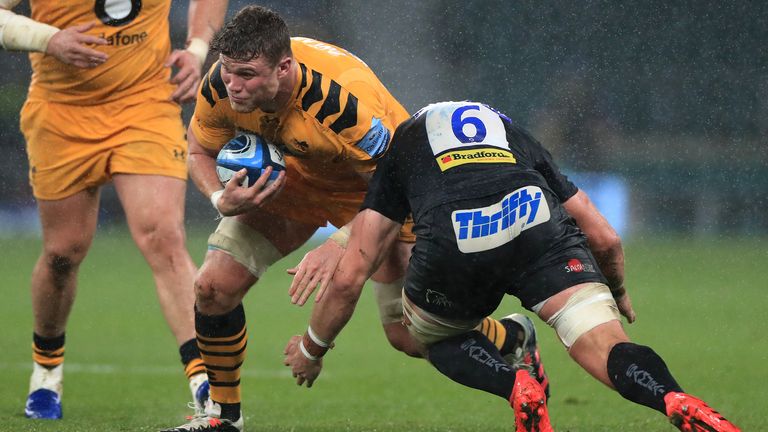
(284, 66)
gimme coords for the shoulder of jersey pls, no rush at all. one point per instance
(323, 73)
(212, 88)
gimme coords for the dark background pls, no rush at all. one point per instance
(670, 99)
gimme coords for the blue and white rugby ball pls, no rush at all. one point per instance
(251, 152)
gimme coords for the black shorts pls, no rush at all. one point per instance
(533, 266)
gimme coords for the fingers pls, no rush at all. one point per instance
(321, 290)
(172, 58)
(186, 91)
(311, 286)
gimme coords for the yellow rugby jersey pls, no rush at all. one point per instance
(341, 119)
(139, 43)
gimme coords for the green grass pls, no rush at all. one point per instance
(701, 305)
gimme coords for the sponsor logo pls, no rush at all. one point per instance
(489, 227)
(437, 298)
(576, 266)
(644, 379)
(455, 158)
(482, 356)
(123, 39)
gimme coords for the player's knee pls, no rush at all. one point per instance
(401, 340)
(62, 264)
(158, 242)
(215, 295)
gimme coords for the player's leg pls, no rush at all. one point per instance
(586, 319)
(154, 209)
(239, 252)
(68, 227)
(469, 358)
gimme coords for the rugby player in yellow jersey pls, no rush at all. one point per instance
(333, 118)
(102, 106)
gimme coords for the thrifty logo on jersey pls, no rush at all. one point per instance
(455, 158)
(489, 227)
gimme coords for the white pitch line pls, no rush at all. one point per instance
(107, 369)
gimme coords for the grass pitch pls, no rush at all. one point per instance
(701, 305)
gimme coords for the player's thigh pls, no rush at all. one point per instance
(153, 205)
(67, 151)
(69, 224)
(257, 240)
(151, 141)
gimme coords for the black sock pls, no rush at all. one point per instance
(640, 375)
(515, 336)
(472, 360)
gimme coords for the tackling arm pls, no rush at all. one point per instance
(605, 245)
(372, 236)
(204, 20)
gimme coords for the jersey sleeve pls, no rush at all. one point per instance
(546, 166)
(210, 123)
(386, 192)
(356, 112)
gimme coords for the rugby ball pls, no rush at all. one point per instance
(251, 152)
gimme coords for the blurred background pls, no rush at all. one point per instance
(659, 111)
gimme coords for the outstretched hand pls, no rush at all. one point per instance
(304, 370)
(315, 270)
(69, 46)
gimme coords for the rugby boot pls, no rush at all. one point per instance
(527, 355)
(691, 414)
(201, 389)
(208, 420)
(45, 387)
(530, 404)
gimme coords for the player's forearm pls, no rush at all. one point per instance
(204, 20)
(611, 263)
(18, 32)
(202, 167)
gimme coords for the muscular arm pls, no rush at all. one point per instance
(204, 19)
(602, 238)
(606, 247)
(371, 238)
(69, 46)
(202, 166)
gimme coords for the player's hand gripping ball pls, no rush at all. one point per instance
(251, 152)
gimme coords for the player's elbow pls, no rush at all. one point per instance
(346, 288)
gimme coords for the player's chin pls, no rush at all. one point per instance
(241, 106)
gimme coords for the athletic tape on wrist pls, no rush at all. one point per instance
(312, 335)
(18, 32)
(215, 198)
(305, 352)
(198, 48)
(341, 237)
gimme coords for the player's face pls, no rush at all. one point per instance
(252, 84)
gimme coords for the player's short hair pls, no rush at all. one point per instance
(254, 31)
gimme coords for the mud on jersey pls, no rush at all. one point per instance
(340, 122)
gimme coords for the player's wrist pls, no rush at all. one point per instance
(198, 48)
(312, 346)
(340, 237)
(215, 199)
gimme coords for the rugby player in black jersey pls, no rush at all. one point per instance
(493, 216)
